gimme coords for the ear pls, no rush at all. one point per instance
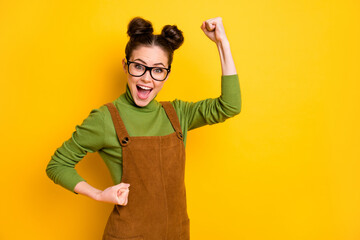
(124, 65)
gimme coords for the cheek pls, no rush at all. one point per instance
(159, 86)
(131, 80)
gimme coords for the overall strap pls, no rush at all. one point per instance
(173, 117)
(120, 129)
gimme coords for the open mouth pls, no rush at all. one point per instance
(143, 91)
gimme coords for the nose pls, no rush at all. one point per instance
(146, 77)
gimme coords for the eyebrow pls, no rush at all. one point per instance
(145, 62)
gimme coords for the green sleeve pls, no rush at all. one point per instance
(88, 137)
(212, 110)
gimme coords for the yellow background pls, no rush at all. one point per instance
(287, 167)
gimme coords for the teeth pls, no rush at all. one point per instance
(145, 88)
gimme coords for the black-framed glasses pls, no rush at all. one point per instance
(137, 70)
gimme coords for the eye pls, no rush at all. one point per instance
(138, 66)
(158, 70)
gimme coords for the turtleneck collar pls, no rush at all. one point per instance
(153, 104)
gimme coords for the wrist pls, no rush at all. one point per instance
(96, 195)
(223, 43)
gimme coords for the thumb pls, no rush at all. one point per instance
(210, 26)
(120, 191)
(203, 26)
(123, 185)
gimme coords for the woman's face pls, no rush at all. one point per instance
(143, 89)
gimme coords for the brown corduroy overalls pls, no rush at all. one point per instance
(154, 166)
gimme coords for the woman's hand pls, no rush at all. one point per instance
(214, 29)
(117, 194)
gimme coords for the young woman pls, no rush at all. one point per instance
(143, 141)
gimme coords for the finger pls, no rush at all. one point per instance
(126, 199)
(203, 26)
(123, 198)
(210, 26)
(216, 19)
(123, 188)
(124, 184)
(124, 191)
(211, 19)
(120, 200)
(213, 22)
(121, 191)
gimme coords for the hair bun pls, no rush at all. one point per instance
(173, 35)
(139, 26)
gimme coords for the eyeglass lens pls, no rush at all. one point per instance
(137, 69)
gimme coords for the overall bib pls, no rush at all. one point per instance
(154, 166)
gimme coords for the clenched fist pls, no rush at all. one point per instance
(214, 29)
(117, 194)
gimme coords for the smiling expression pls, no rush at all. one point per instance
(144, 88)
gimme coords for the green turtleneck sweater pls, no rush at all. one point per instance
(97, 132)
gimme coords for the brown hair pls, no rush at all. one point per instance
(140, 32)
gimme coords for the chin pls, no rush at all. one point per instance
(141, 103)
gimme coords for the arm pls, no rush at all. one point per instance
(228, 104)
(117, 194)
(88, 137)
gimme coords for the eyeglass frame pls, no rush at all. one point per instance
(148, 68)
